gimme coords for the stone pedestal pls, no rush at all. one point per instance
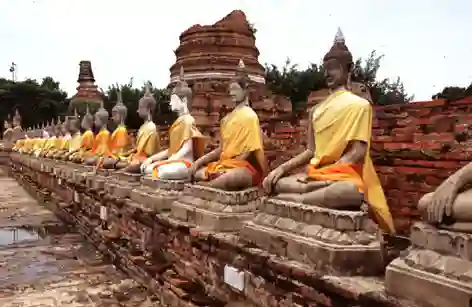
(121, 184)
(214, 209)
(157, 194)
(335, 242)
(436, 270)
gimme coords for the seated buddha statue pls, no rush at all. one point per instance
(186, 143)
(120, 143)
(65, 140)
(238, 162)
(76, 137)
(87, 139)
(7, 131)
(448, 207)
(340, 173)
(50, 139)
(147, 140)
(100, 143)
(57, 140)
(17, 130)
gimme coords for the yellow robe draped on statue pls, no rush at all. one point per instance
(341, 118)
(147, 143)
(119, 143)
(75, 142)
(182, 130)
(240, 133)
(87, 144)
(101, 142)
(19, 145)
(48, 145)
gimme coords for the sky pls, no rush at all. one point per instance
(424, 42)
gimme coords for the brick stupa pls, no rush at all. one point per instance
(87, 91)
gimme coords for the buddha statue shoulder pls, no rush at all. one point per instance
(147, 140)
(120, 142)
(340, 173)
(238, 162)
(87, 139)
(186, 143)
(448, 207)
(102, 138)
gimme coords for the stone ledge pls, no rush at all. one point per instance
(426, 288)
(448, 242)
(326, 257)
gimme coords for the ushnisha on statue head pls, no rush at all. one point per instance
(87, 120)
(101, 117)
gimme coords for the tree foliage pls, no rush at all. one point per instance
(454, 93)
(297, 84)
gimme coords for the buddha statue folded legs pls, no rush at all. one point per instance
(239, 162)
(186, 143)
(340, 173)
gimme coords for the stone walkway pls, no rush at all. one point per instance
(42, 263)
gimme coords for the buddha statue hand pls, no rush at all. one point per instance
(269, 182)
(146, 163)
(442, 202)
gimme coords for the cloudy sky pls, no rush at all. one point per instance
(425, 42)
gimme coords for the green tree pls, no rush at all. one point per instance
(37, 103)
(454, 93)
(297, 84)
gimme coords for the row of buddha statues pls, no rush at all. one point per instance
(339, 171)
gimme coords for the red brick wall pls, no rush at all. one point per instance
(416, 146)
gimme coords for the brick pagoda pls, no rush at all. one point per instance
(87, 91)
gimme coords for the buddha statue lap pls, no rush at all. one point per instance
(340, 173)
(102, 138)
(147, 141)
(49, 141)
(119, 141)
(239, 162)
(186, 143)
(87, 140)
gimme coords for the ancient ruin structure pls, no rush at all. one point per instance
(87, 91)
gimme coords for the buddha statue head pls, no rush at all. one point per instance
(181, 95)
(6, 124)
(146, 104)
(58, 127)
(119, 111)
(337, 63)
(101, 117)
(17, 119)
(74, 123)
(50, 127)
(87, 120)
(238, 87)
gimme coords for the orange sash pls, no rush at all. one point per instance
(338, 172)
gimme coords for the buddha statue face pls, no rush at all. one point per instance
(116, 117)
(335, 73)
(87, 122)
(143, 109)
(98, 121)
(236, 92)
(65, 128)
(177, 104)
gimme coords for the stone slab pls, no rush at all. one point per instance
(426, 288)
(214, 209)
(177, 185)
(154, 199)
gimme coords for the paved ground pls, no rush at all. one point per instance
(44, 264)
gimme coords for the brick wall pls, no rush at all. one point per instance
(418, 145)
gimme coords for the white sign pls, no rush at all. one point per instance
(234, 277)
(103, 212)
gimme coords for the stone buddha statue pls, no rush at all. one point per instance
(87, 139)
(102, 138)
(65, 140)
(147, 141)
(186, 143)
(120, 142)
(7, 131)
(56, 140)
(448, 207)
(340, 173)
(238, 162)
